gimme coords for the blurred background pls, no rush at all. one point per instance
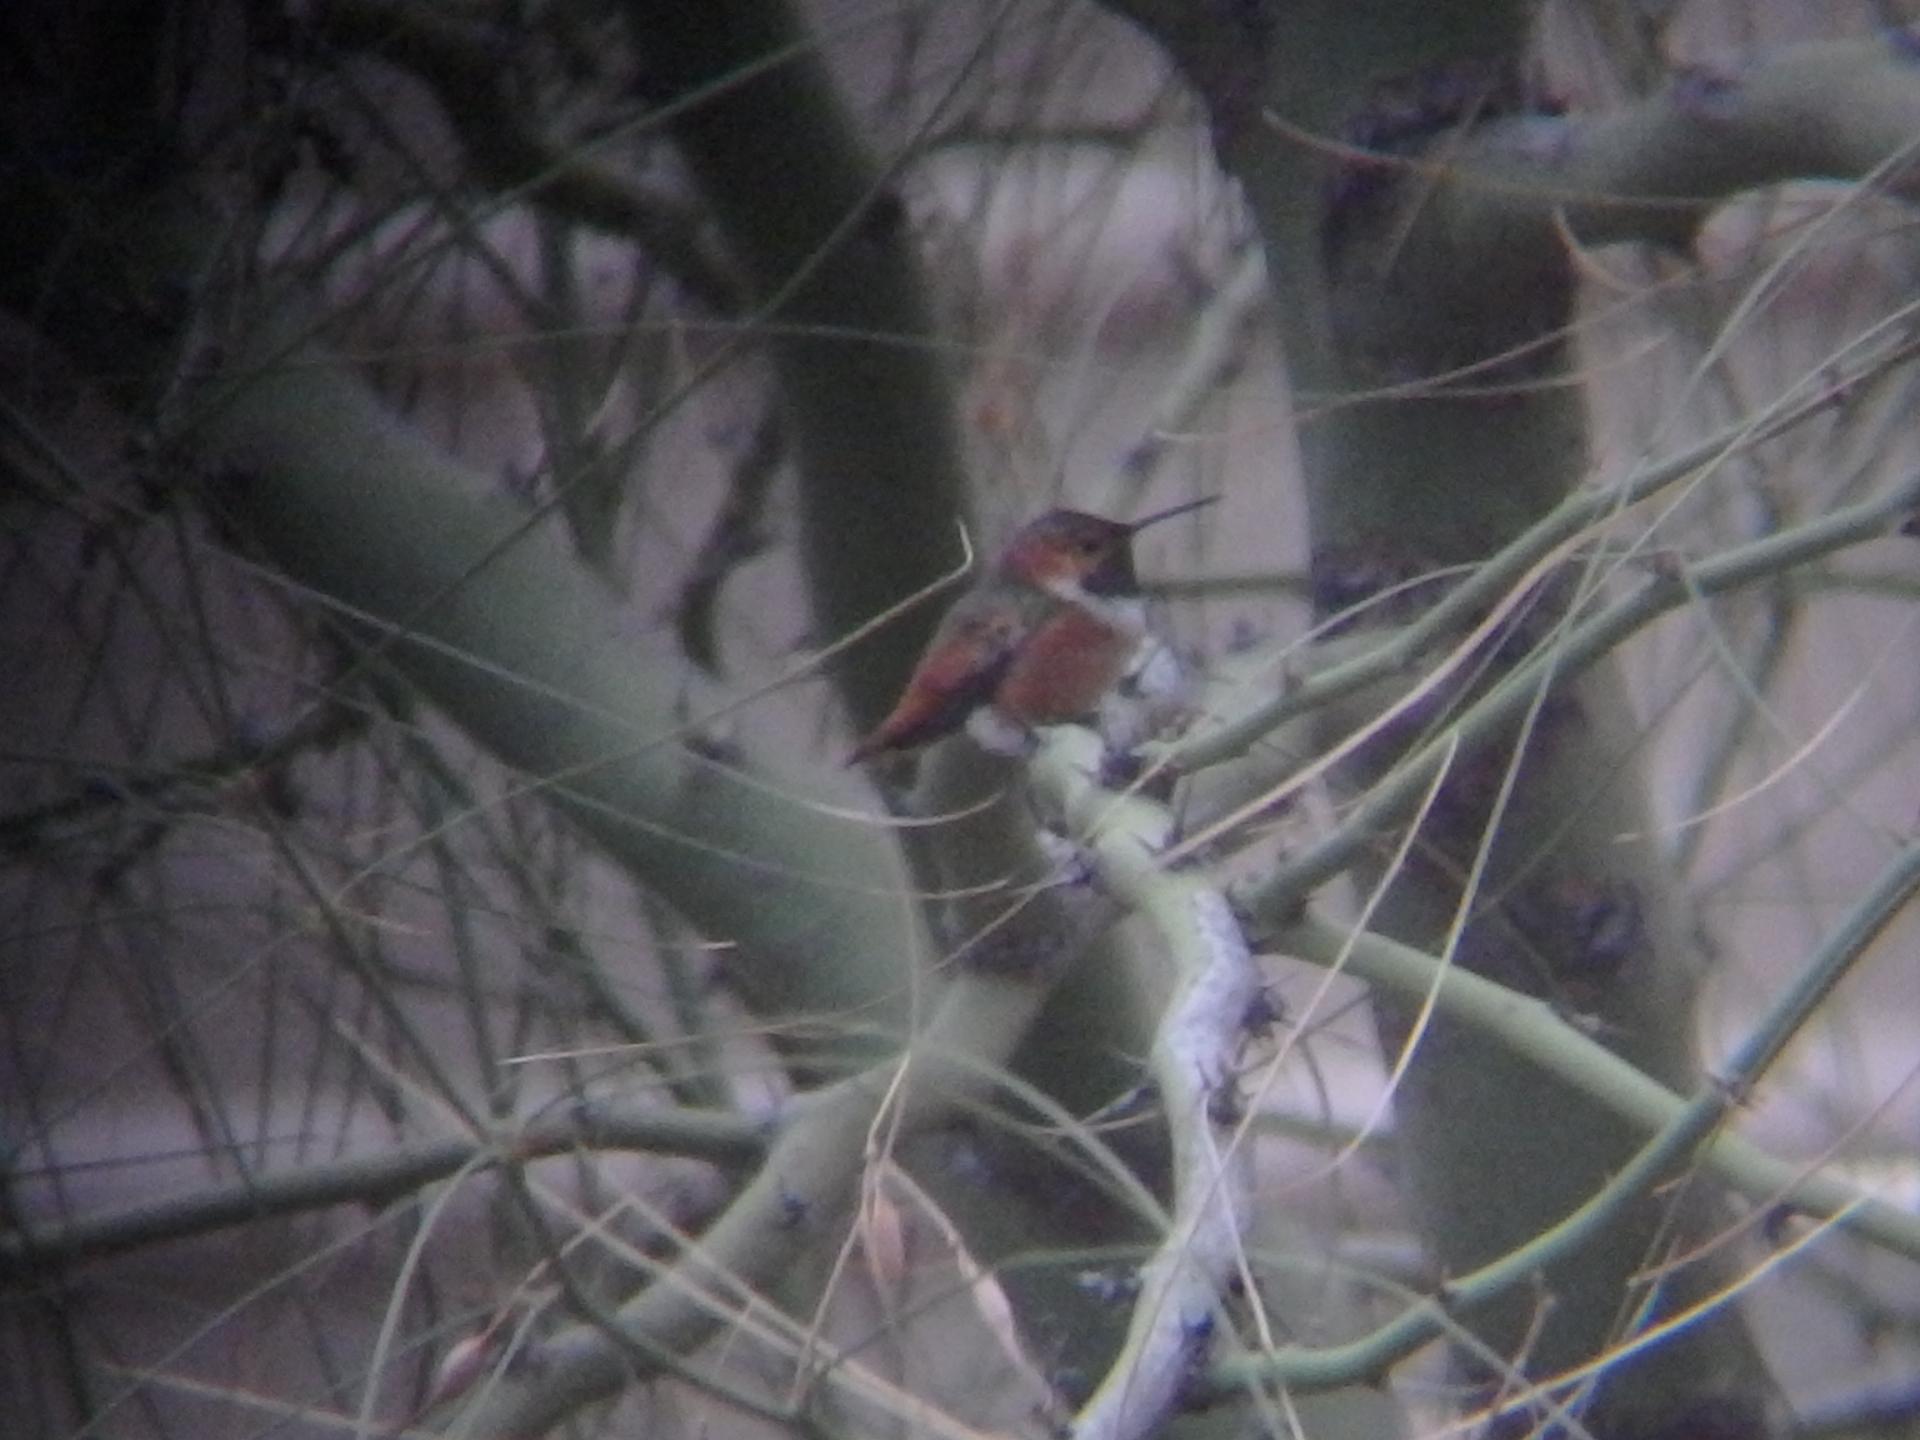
(294, 948)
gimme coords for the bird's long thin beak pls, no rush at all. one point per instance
(1157, 516)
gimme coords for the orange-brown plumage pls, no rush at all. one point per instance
(1040, 638)
(961, 666)
(1070, 660)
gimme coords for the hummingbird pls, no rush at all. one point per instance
(1040, 639)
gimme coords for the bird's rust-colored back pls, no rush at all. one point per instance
(959, 670)
(1041, 636)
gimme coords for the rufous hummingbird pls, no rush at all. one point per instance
(1040, 639)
